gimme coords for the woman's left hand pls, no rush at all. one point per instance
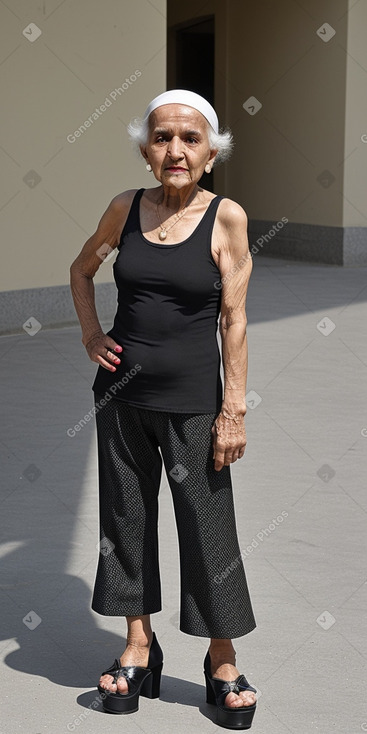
(229, 440)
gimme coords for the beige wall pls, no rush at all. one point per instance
(48, 88)
(355, 141)
(313, 116)
(314, 105)
(178, 14)
(299, 131)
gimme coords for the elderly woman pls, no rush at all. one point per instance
(183, 260)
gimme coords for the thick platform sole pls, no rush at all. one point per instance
(119, 703)
(230, 718)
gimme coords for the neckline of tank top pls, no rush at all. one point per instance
(176, 244)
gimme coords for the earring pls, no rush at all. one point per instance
(208, 168)
(148, 167)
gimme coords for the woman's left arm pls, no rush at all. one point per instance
(235, 266)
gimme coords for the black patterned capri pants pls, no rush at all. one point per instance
(132, 441)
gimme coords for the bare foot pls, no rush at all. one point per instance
(135, 653)
(223, 666)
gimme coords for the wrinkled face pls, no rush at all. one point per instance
(178, 145)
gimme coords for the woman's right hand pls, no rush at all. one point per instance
(100, 349)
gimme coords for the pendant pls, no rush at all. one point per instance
(162, 234)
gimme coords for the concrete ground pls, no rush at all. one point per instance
(301, 508)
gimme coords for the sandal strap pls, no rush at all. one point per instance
(244, 685)
(133, 673)
(223, 687)
(113, 668)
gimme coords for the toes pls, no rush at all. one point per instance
(248, 698)
(122, 686)
(233, 700)
(245, 698)
(106, 682)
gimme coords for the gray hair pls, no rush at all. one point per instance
(138, 131)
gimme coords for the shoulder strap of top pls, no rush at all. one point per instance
(132, 221)
(207, 220)
(215, 202)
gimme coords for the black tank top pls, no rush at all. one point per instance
(166, 321)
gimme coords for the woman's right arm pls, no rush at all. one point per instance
(99, 346)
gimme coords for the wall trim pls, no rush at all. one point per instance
(309, 242)
(52, 306)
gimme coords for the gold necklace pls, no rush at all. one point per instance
(164, 230)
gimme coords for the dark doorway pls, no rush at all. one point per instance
(190, 65)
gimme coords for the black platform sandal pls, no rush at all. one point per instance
(216, 691)
(140, 681)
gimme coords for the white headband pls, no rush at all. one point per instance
(183, 96)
